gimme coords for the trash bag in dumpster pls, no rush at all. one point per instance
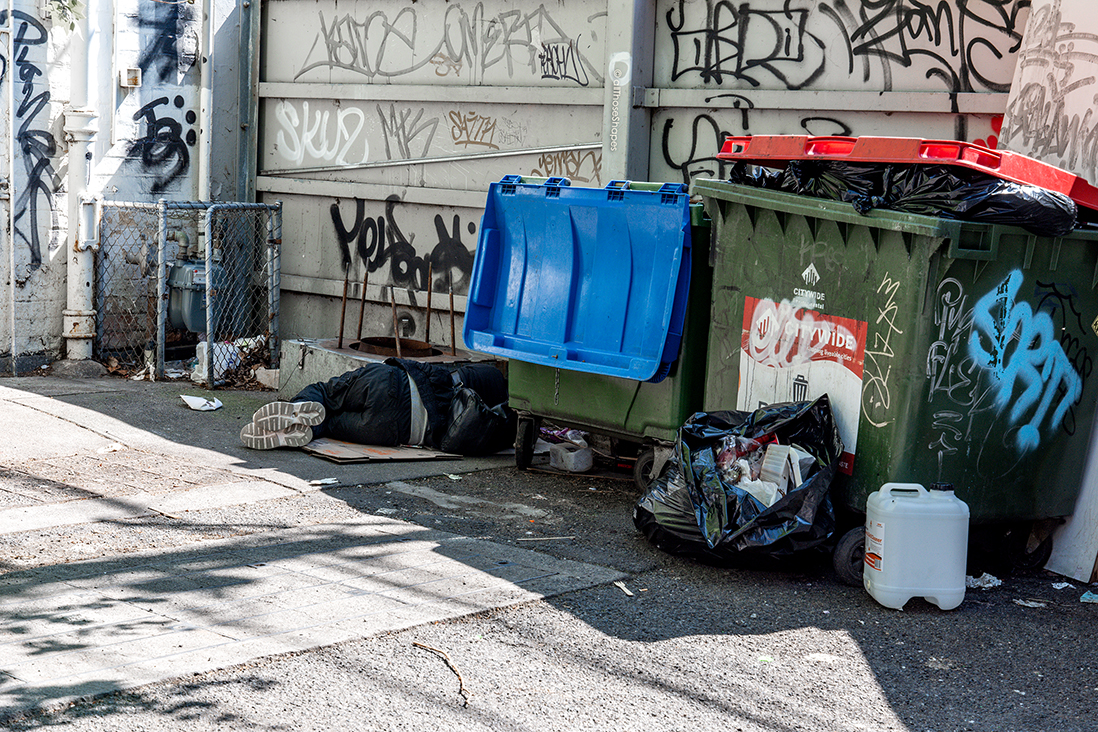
(859, 184)
(756, 176)
(929, 190)
(968, 195)
(695, 508)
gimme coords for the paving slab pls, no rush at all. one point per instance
(88, 510)
(70, 513)
(109, 624)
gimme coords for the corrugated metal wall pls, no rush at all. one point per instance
(382, 123)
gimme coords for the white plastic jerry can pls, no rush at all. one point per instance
(916, 545)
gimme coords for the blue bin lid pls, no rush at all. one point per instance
(587, 279)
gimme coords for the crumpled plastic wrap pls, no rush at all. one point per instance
(692, 510)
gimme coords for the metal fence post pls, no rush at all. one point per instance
(211, 382)
(274, 286)
(161, 284)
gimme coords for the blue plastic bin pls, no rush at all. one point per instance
(585, 279)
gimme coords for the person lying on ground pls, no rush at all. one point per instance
(397, 402)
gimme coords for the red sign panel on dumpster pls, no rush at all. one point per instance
(793, 354)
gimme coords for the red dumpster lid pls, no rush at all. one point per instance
(1012, 166)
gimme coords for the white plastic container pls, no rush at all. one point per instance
(572, 458)
(916, 545)
(226, 356)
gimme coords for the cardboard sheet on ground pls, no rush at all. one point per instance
(339, 451)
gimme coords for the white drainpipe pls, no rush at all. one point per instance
(80, 128)
(205, 102)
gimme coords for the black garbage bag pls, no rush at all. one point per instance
(475, 428)
(820, 179)
(694, 510)
(859, 184)
(967, 195)
(930, 190)
(756, 176)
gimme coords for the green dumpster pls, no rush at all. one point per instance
(952, 352)
(636, 411)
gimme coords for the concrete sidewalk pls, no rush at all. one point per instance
(107, 450)
(80, 450)
(88, 628)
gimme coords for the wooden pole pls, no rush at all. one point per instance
(396, 325)
(430, 283)
(453, 341)
(343, 307)
(362, 303)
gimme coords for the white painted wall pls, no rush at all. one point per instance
(383, 123)
(930, 70)
(32, 266)
(147, 145)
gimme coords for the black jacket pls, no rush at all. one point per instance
(372, 404)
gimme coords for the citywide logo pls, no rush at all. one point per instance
(810, 276)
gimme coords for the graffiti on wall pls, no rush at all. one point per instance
(310, 133)
(579, 166)
(563, 61)
(959, 45)
(331, 136)
(170, 48)
(884, 45)
(386, 45)
(1050, 114)
(696, 156)
(339, 136)
(164, 122)
(408, 133)
(715, 46)
(470, 129)
(379, 241)
(690, 146)
(162, 149)
(33, 207)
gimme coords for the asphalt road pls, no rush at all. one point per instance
(692, 648)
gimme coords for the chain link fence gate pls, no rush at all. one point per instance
(177, 281)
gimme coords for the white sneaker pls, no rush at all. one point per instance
(296, 435)
(280, 415)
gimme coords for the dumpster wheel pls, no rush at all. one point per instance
(1029, 561)
(526, 434)
(1028, 545)
(651, 462)
(849, 557)
(642, 469)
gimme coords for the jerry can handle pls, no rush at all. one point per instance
(890, 489)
